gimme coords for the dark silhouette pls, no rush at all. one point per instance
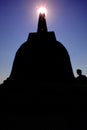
(42, 58)
(42, 26)
(81, 79)
(41, 92)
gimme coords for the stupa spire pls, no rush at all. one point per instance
(42, 26)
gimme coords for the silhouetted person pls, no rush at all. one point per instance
(81, 78)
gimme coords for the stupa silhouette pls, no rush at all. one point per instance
(42, 58)
(44, 96)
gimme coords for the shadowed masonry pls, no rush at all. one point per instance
(42, 91)
(42, 57)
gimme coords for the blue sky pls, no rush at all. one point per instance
(67, 18)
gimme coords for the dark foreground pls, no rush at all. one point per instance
(43, 106)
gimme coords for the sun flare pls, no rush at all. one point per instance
(42, 10)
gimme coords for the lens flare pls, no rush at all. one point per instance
(42, 10)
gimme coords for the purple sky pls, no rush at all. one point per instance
(68, 18)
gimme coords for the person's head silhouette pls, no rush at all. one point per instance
(79, 72)
(81, 78)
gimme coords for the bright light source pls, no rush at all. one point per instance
(42, 10)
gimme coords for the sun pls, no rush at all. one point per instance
(42, 10)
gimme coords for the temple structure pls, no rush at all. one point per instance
(41, 94)
(41, 59)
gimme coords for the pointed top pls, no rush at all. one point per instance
(42, 26)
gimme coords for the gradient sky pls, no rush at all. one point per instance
(68, 18)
